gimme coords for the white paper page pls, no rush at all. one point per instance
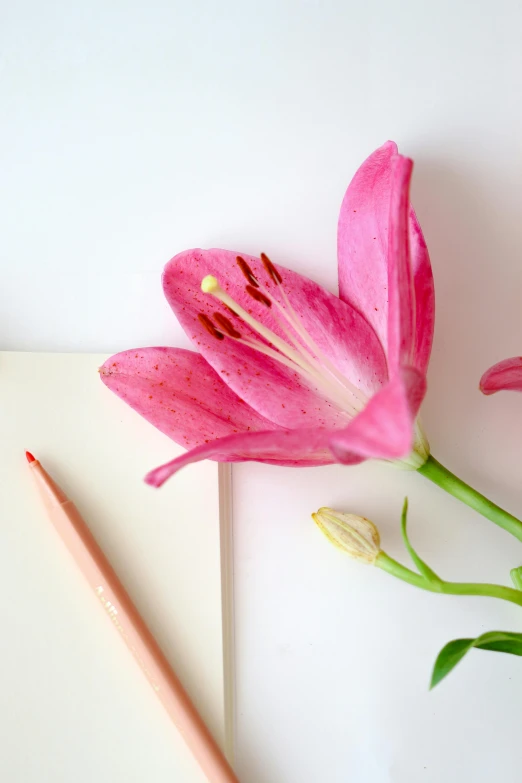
(74, 705)
(335, 657)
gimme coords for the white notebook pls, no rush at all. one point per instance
(74, 704)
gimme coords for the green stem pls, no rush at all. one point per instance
(434, 471)
(395, 568)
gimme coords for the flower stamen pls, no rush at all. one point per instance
(250, 276)
(314, 356)
(270, 268)
(209, 326)
(258, 296)
(293, 320)
(282, 351)
(210, 285)
(226, 326)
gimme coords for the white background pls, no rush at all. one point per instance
(131, 131)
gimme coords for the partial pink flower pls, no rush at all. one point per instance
(286, 372)
(384, 266)
(505, 375)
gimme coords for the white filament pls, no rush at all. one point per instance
(293, 355)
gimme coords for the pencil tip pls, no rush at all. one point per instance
(30, 457)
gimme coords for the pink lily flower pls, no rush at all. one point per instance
(503, 375)
(285, 372)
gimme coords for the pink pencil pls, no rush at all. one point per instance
(125, 617)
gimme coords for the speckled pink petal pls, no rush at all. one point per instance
(424, 296)
(385, 428)
(299, 448)
(362, 239)
(401, 295)
(506, 375)
(180, 394)
(278, 393)
(374, 198)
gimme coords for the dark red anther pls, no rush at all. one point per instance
(258, 296)
(226, 326)
(242, 264)
(270, 268)
(209, 326)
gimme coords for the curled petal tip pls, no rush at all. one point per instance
(505, 375)
(152, 480)
(157, 477)
(485, 385)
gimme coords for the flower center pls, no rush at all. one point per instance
(297, 351)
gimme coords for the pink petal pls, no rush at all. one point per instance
(401, 296)
(424, 296)
(180, 394)
(504, 375)
(363, 252)
(362, 239)
(299, 448)
(275, 391)
(384, 429)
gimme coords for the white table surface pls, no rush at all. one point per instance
(131, 131)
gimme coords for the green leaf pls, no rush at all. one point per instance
(453, 652)
(448, 658)
(422, 567)
(516, 577)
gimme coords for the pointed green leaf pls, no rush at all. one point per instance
(516, 577)
(448, 658)
(453, 652)
(422, 567)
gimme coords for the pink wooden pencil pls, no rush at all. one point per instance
(125, 618)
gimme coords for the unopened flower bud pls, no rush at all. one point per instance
(356, 536)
